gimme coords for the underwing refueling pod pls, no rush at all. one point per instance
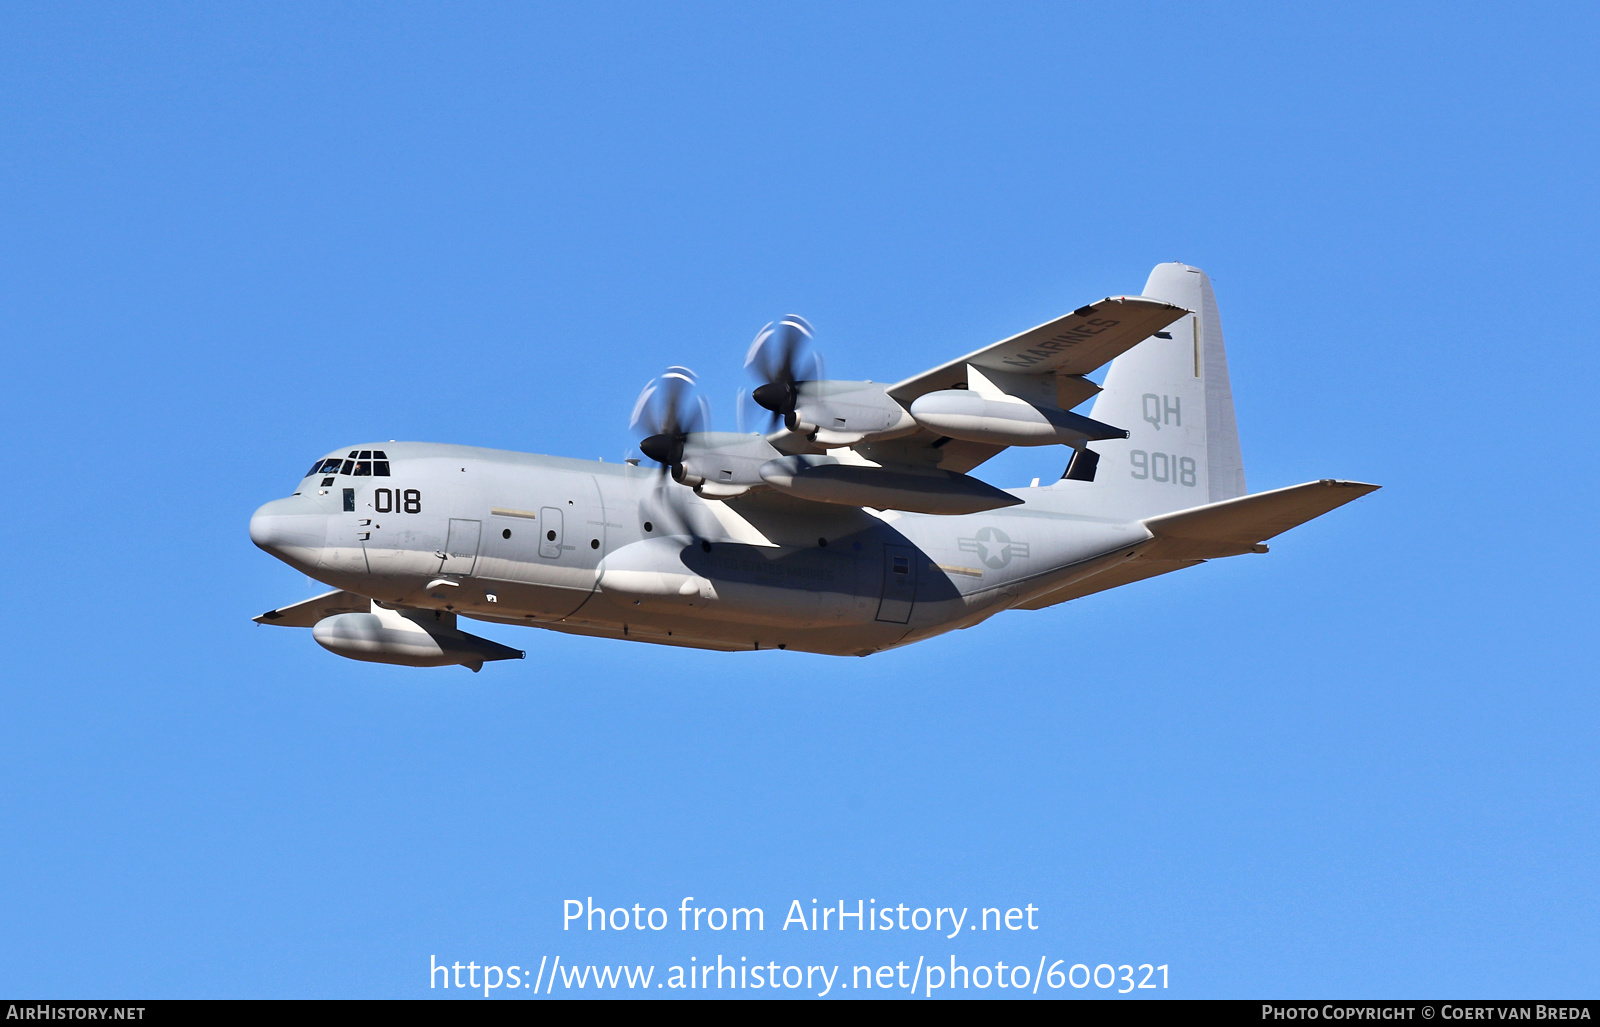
(361, 629)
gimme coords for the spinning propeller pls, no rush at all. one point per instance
(667, 411)
(782, 357)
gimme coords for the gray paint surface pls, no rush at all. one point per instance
(621, 551)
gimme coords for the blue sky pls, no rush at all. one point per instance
(235, 237)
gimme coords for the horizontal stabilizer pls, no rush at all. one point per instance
(1228, 528)
(1239, 525)
(305, 614)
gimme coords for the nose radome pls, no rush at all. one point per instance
(291, 529)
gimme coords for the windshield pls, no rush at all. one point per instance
(359, 463)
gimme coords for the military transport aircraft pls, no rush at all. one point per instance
(853, 526)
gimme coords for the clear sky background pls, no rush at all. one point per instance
(234, 237)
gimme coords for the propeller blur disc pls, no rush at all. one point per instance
(667, 411)
(781, 355)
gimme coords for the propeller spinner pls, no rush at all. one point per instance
(782, 356)
(667, 411)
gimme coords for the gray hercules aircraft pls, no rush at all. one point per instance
(854, 526)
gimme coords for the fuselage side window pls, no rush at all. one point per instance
(380, 467)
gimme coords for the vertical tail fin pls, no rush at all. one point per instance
(1171, 392)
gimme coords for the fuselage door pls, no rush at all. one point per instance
(550, 532)
(461, 546)
(899, 584)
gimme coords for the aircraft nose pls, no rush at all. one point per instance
(291, 529)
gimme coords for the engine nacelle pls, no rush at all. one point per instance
(721, 465)
(409, 638)
(965, 414)
(834, 414)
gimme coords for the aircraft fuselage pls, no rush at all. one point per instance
(622, 551)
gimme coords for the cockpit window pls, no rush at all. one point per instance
(360, 463)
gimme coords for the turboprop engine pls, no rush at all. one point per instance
(721, 465)
(830, 414)
(410, 638)
(837, 413)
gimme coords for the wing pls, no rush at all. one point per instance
(1069, 346)
(1048, 361)
(307, 613)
